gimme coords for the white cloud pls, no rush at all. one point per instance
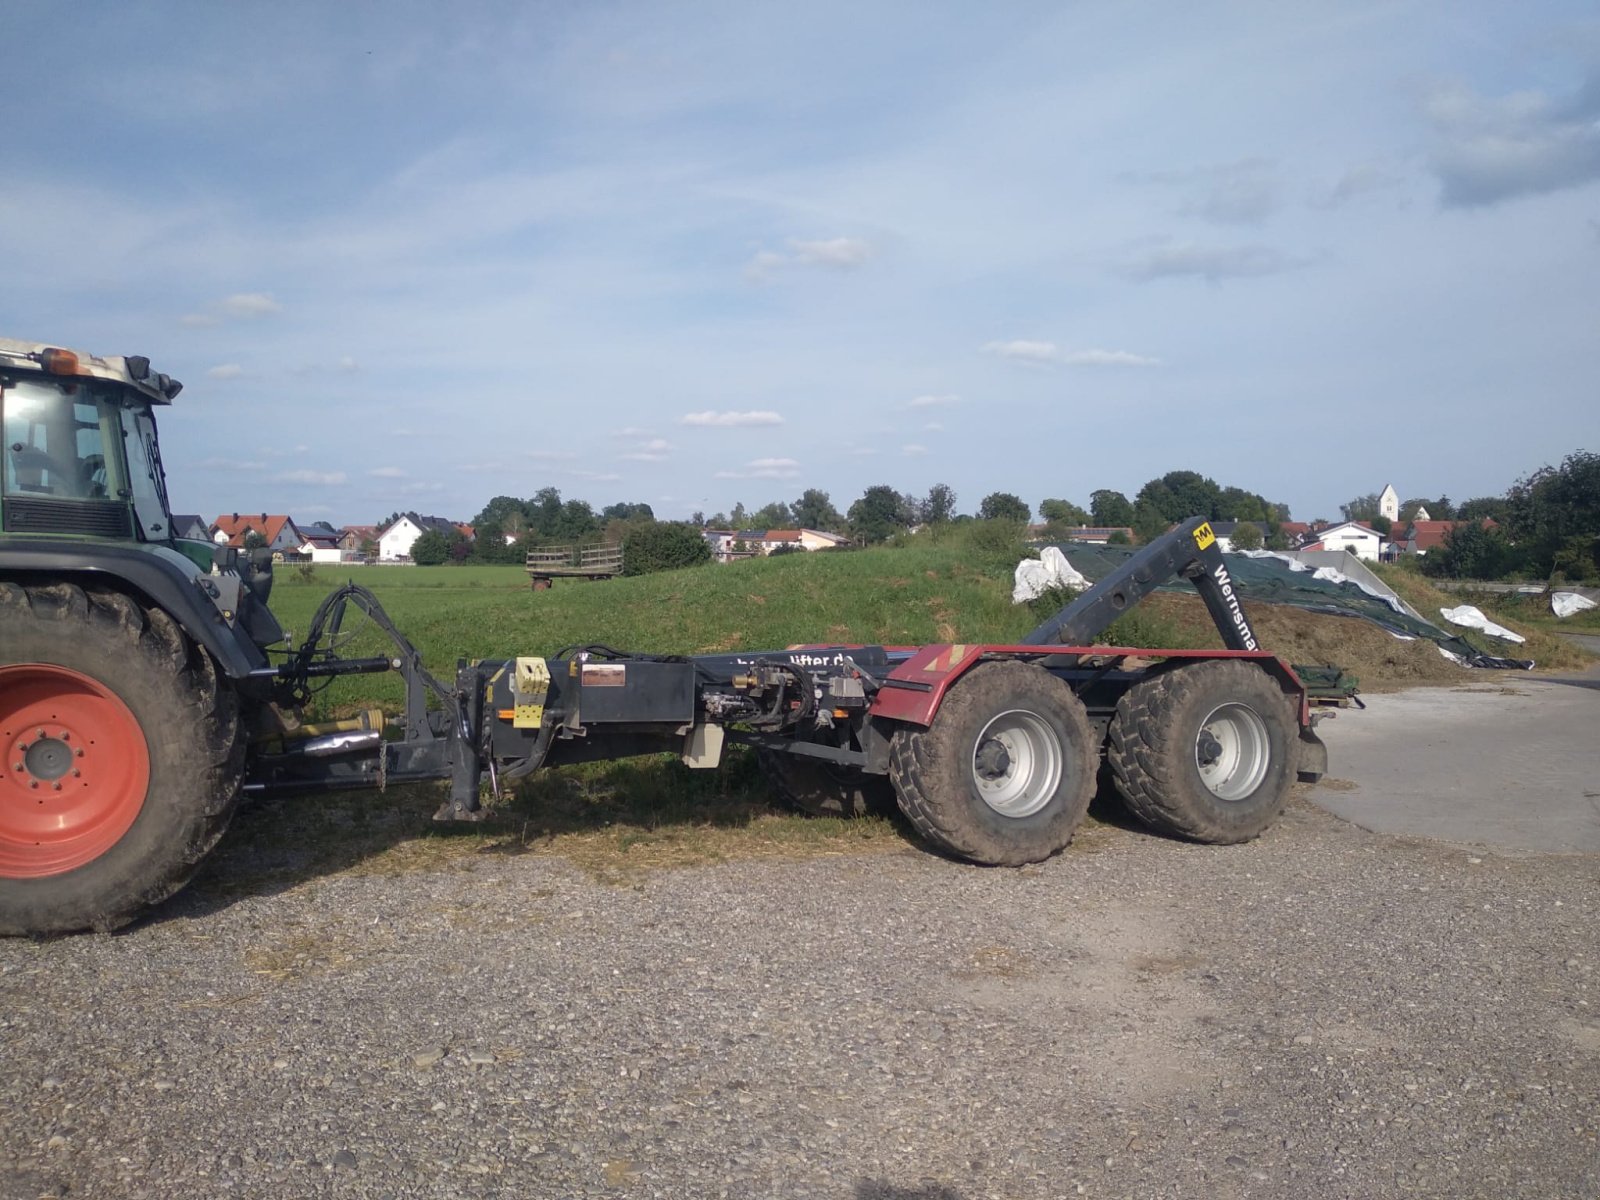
(225, 371)
(1236, 193)
(348, 364)
(1525, 143)
(730, 420)
(250, 304)
(654, 450)
(831, 252)
(305, 475)
(1020, 350)
(934, 427)
(913, 450)
(231, 464)
(838, 254)
(389, 473)
(1211, 263)
(1107, 358)
(933, 401)
(765, 468)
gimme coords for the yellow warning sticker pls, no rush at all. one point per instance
(1203, 537)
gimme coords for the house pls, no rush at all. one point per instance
(395, 542)
(190, 527)
(355, 539)
(1420, 536)
(730, 544)
(1357, 537)
(276, 531)
(1098, 535)
(321, 544)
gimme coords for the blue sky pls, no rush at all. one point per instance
(415, 256)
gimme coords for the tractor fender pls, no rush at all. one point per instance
(156, 576)
(914, 690)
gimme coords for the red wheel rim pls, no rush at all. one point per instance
(74, 773)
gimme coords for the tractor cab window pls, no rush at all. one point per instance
(55, 441)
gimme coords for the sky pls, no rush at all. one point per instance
(414, 256)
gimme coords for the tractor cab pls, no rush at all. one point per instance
(79, 454)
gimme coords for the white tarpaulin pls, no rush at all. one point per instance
(1470, 618)
(1036, 576)
(1564, 604)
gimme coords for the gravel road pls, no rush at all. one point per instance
(1326, 1012)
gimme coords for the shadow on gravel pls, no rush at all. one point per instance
(622, 810)
(877, 1189)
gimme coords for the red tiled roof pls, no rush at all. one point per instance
(238, 525)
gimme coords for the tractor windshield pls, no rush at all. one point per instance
(56, 439)
(80, 456)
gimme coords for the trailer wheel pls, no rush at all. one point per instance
(1005, 773)
(821, 789)
(1205, 751)
(121, 758)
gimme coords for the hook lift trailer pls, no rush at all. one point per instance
(144, 687)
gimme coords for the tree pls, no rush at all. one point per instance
(738, 518)
(879, 513)
(1483, 506)
(939, 507)
(814, 510)
(1246, 536)
(1362, 508)
(1178, 495)
(1471, 551)
(1383, 525)
(776, 515)
(1547, 509)
(624, 511)
(505, 511)
(1062, 513)
(1119, 538)
(431, 548)
(663, 546)
(543, 511)
(1003, 506)
(1236, 504)
(253, 539)
(1110, 508)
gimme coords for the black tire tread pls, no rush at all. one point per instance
(209, 716)
(915, 760)
(1147, 764)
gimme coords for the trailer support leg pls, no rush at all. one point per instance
(466, 765)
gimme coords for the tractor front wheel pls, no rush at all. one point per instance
(120, 758)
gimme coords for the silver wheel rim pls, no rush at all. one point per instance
(1232, 751)
(1016, 763)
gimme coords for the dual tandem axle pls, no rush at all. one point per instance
(992, 751)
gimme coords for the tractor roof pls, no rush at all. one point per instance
(131, 370)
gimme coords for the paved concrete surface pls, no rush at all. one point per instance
(1508, 764)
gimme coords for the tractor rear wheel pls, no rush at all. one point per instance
(1205, 751)
(1005, 773)
(120, 758)
(821, 789)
